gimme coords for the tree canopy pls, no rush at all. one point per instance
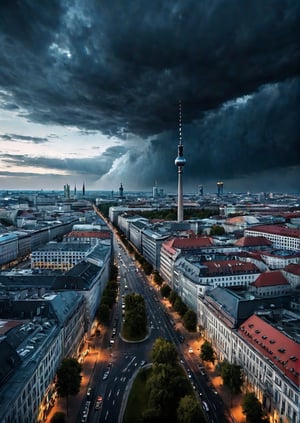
(189, 411)
(232, 376)
(207, 352)
(252, 409)
(190, 320)
(164, 352)
(135, 323)
(68, 378)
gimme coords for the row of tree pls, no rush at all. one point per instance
(232, 377)
(68, 376)
(167, 389)
(189, 317)
(108, 298)
(135, 322)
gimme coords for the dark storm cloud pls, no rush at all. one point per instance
(120, 67)
(90, 166)
(235, 140)
(24, 138)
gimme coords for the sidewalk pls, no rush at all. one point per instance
(75, 402)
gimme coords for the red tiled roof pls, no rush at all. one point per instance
(6, 325)
(174, 244)
(168, 245)
(229, 267)
(255, 255)
(276, 229)
(270, 279)
(293, 268)
(274, 345)
(252, 241)
(192, 243)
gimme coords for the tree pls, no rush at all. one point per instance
(189, 411)
(147, 267)
(103, 313)
(190, 320)
(58, 417)
(164, 352)
(180, 307)
(151, 415)
(252, 408)
(68, 378)
(166, 386)
(232, 376)
(135, 323)
(172, 297)
(157, 278)
(217, 230)
(207, 352)
(165, 290)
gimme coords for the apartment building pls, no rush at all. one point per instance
(269, 355)
(8, 247)
(270, 284)
(292, 273)
(152, 240)
(172, 248)
(31, 351)
(136, 230)
(87, 237)
(281, 236)
(59, 256)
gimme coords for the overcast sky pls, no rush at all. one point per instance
(89, 93)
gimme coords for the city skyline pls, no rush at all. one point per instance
(89, 94)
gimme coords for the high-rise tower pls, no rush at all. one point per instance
(220, 188)
(180, 162)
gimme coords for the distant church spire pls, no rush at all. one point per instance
(121, 190)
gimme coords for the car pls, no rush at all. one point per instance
(89, 393)
(191, 350)
(143, 362)
(205, 406)
(105, 375)
(99, 402)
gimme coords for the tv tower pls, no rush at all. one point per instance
(180, 162)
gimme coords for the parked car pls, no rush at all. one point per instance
(105, 375)
(98, 403)
(205, 406)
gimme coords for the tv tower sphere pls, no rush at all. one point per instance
(180, 161)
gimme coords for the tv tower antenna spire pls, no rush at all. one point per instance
(180, 162)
